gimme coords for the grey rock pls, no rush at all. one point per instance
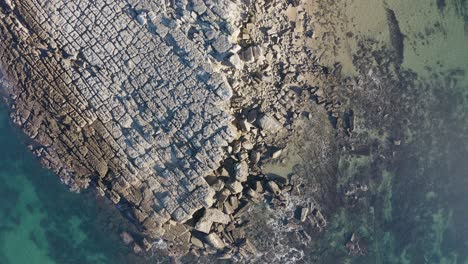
(211, 216)
(221, 44)
(273, 187)
(269, 124)
(215, 241)
(235, 187)
(241, 171)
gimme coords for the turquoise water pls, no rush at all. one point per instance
(41, 221)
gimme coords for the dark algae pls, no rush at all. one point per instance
(396, 37)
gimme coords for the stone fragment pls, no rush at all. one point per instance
(269, 124)
(211, 216)
(142, 18)
(248, 246)
(234, 186)
(221, 44)
(196, 242)
(198, 6)
(241, 171)
(253, 194)
(276, 154)
(246, 144)
(215, 241)
(127, 238)
(245, 125)
(304, 212)
(242, 210)
(273, 187)
(228, 208)
(259, 187)
(136, 248)
(255, 156)
(236, 62)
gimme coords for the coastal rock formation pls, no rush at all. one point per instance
(168, 109)
(118, 94)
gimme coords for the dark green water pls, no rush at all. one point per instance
(416, 209)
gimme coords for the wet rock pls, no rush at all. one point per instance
(353, 246)
(127, 238)
(137, 249)
(317, 218)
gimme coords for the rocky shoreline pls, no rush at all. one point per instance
(213, 127)
(168, 111)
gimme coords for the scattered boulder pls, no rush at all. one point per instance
(274, 188)
(235, 187)
(304, 213)
(142, 19)
(241, 171)
(236, 62)
(127, 238)
(255, 156)
(211, 216)
(196, 242)
(269, 124)
(221, 44)
(215, 241)
(276, 154)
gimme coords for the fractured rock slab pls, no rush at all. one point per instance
(120, 98)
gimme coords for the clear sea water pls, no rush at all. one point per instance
(41, 221)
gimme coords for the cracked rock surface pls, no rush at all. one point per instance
(118, 94)
(170, 109)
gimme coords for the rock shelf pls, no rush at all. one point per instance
(151, 104)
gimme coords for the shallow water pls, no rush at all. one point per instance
(417, 209)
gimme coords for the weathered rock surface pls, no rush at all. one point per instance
(119, 94)
(137, 99)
